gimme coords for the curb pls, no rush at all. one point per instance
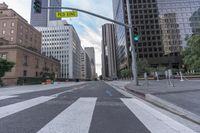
(135, 92)
(168, 106)
(173, 108)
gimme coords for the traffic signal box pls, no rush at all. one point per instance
(135, 35)
(37, 6)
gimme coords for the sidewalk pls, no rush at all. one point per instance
(14, 90)
(183, 98)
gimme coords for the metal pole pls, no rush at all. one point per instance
(90, 13)
(133, 53)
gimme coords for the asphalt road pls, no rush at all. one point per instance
(94, 107)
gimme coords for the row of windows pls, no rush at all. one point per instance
(55, 39)
(55, 31)
(55, 35)
(156, 55)
(149, 49)
(5, 24)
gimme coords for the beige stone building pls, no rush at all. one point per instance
(21, 43)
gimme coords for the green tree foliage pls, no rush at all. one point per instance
(191, 54)
(143, 66)
(5, 66)
(126, 73)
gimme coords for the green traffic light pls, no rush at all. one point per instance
(136, 38)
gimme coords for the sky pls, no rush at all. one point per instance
(87, 27)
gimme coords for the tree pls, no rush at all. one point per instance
(5, 66)
(191, 54)
(143, 66)
(126, 73)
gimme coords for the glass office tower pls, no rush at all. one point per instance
(122, 51)
(164, 26)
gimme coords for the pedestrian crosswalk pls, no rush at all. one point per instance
(74, 119)
(77, 117)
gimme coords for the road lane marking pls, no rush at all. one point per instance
(74, 119)
(17, 107)
(6, 97)
(154, 120)
(109, 93)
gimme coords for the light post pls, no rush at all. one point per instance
(133, 53)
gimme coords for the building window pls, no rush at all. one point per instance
(12, 31)
(25, 73)
(37, 63)
(12, 24)
(4, 24)
(25, 61)
(11, 39)
(36, 74)
(3, 56)
(20, 41)
(4, 32)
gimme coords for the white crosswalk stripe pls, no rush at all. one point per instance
(6, 97)
(74, 119)
(155, 121)
(17, 107)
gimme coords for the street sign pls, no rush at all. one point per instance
(67, 14)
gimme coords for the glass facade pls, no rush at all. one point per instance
(187, 16)
(164, 26)
(121, 49)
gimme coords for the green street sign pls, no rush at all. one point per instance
(67, 14)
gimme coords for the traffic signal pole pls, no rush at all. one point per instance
(133, 53)
(134, 65)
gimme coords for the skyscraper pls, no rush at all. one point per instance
(162, 24)
(91, 53)
(61, 41)
(41, 19)
(86, 71)
(109, 69)
(122, 48)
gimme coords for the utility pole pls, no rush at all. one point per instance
(133, 53)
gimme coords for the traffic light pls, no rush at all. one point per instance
(135, 35)
(37, 6)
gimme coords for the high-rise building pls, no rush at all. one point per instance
(21, 43)
(86, 71)
(171, 38)
(91, 53)
(122, 48)
(60, 40)
(109, 66)
(162, 24)
(42, 19)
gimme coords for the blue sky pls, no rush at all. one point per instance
(87, 27)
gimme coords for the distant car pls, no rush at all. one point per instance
(77, 80)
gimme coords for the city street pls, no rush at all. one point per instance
(89, 107)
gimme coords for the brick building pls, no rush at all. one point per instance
(21, 43)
